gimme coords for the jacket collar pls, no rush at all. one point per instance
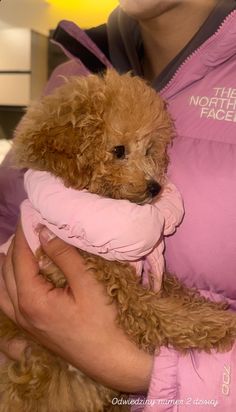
(118, 44)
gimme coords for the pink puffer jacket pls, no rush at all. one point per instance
(202, 100)
(191, 383)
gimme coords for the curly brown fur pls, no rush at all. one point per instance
(42, 382)
(175, 316)
(74, 134)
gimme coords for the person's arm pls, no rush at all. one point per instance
(77, 323)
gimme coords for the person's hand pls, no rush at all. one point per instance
(13, 348)
(76, 322)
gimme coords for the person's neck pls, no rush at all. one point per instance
(166, 35)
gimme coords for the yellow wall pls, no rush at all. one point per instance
(86, 13)
(43, 15)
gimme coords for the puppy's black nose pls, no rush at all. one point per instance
(153, 188)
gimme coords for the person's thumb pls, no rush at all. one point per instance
(12, 349)
(65, 256)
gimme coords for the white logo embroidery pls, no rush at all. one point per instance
(220, 106)
(225, 389)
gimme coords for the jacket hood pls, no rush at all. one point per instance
(88, 47)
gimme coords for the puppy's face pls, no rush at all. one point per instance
(108, 135)
(126, 164)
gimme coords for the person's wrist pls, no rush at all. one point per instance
(140, 367)
(116, 362)
(125, 367)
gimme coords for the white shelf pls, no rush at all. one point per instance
(15, 46)
(5, 146)
(15, 89)
(23, 66)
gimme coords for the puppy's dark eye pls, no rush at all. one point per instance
(119, 152)
(148, 151)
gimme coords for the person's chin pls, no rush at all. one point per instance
(148, 9)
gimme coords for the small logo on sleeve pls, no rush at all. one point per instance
(225, 388)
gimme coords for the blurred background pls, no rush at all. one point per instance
(26, 54)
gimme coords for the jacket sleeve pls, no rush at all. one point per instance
(115, 229)
(12, 194)
(197, 381)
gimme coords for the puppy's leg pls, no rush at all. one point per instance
(177, 316)
(189, 320)
(135, 313)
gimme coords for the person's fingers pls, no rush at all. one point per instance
(9, 348)
(5, 302)
(3, 359)
(8, 277)
(14, 348)
(6, 305)
(65, 256)
(26, 269)
(29, 285)
(2, 258)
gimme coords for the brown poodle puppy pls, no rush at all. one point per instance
(82, 133)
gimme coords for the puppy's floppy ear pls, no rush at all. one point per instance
(52, 150)
(55, 133)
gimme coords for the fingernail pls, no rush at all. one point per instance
(46, 235)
